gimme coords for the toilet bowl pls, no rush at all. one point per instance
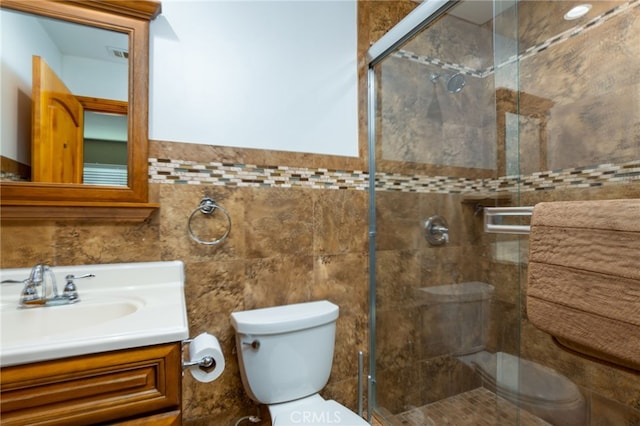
(313, 410)
(537, 389)
(285, 355)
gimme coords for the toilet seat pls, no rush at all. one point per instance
(524, 380)
(313, 411)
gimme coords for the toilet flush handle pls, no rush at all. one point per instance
(255, 344)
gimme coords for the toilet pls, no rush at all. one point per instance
(285, 355)
(464, 309)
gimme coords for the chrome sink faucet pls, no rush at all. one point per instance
(42, 277)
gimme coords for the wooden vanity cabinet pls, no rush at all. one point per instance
(127, 387)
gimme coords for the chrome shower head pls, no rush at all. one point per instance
(455, 82)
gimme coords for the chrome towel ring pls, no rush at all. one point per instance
(208, 206)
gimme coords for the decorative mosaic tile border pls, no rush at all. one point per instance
(557, 39)
(433, 184)
(250, 175)
(578, 177)
(165, 171)
(10, 177)
(429, 60)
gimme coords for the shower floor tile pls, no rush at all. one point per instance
(478, 407)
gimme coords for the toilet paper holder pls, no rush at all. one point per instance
(204, 362)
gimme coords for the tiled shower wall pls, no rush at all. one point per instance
(413, 368)
(588, 148)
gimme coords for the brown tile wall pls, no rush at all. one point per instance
(286, 246)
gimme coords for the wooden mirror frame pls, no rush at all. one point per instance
(51, 201)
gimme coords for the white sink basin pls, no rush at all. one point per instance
(44, 322)
(125, 305)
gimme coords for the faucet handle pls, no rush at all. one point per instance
(70, 289)
(73, 277)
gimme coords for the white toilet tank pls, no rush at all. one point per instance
(285, 352)
(456, 317)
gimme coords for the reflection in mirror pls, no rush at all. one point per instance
(92, 63)
(105, 148)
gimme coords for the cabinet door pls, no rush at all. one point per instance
(93, 389)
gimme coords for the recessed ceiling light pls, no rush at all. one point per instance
(577, 12)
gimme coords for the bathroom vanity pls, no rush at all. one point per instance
(119, 387)
(114, 356)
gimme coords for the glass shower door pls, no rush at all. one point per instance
(446, 310)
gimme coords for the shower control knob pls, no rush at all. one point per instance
(436, 230)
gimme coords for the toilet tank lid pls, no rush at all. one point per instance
(286, 318)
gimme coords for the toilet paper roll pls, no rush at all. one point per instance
(206, 345)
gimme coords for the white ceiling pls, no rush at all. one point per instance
(479, 12)
(84, 41)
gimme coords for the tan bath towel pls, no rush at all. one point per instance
(584, 277)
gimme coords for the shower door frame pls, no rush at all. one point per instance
(412, 24)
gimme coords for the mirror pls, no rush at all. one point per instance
(115, 92)
(87, 62)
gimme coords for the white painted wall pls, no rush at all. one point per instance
(20, 33)
(22, 36)
(278, 75)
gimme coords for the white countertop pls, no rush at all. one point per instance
(125, 305)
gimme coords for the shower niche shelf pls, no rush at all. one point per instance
(507, 220)
(494, 199)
